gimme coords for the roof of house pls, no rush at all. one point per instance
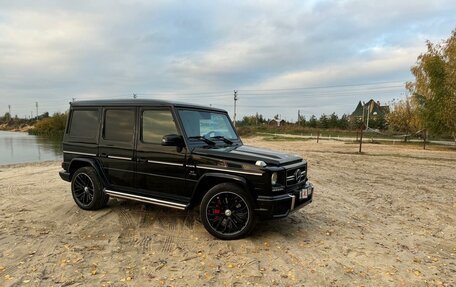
(372, 107)
(358, 111)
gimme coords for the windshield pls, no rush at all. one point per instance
(207, 124)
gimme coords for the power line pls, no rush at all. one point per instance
(323, 87)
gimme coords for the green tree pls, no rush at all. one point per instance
(301, 120)
(333, 120)
(323, 122)
(257, 119)
(7, 117)
(313, 121)
(434, 88)
(343, 122)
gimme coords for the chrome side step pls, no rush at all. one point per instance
(146, 199)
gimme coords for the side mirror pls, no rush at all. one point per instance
(172, 140)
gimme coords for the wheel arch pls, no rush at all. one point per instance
(77, 163)
(209, 180)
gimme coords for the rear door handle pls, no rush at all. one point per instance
(104, 154)
(141, 159)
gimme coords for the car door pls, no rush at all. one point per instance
(161, 170)
(116, 147)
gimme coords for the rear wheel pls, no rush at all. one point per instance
(87, 189)
(227, 212)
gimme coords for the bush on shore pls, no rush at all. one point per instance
(52, 126)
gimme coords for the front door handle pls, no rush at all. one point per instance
(141, 159)
(104, 154)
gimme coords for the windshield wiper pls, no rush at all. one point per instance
(206, 140)
(224, 139)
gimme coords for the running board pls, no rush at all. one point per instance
(146, 199)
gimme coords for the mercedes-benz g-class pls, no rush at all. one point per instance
(179, 156)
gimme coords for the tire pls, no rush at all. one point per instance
(227, 212)
(87, 189)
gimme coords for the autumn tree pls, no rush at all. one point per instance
(403, 117)
(434, 88)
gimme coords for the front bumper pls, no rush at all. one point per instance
(279, 206)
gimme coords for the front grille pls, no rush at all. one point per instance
(297, 175)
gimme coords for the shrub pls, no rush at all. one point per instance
(52, 126)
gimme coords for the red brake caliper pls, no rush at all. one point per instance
(217, 209)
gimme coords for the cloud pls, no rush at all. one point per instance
(52, 51)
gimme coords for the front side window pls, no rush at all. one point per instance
(156, 124)
(207, 124)
(119, 125)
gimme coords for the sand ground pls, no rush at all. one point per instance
(384, 218)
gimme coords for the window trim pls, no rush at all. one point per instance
(70, 126)
(103, 129)
(141, 126)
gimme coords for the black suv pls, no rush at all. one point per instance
(180, 156)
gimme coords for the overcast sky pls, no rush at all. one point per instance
(281, 56)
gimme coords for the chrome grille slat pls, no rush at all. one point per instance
(291, 177)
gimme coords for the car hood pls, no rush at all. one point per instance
(249, 154)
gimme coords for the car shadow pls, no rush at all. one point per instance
(296, 225)
(134, 214)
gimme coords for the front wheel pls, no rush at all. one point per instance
(227, 212)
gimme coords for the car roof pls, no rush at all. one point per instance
(137, 103)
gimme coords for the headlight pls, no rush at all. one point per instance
(274, 178)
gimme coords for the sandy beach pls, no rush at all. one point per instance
(383, 218)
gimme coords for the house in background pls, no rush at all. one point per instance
(371, 110)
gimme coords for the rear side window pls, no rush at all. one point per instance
(84, 124)
(156, 124)
(119, 125)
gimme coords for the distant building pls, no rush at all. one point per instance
(371, 109)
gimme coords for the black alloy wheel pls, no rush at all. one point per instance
(83, 188)
(226, 212)
(87, 190)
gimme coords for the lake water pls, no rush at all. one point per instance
(19, 147)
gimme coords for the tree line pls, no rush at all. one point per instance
(332, 121)
(52, 126)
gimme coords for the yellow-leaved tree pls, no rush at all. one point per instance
(434, 88)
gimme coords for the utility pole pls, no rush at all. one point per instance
(361, 138)
(368, 112)
(134, 96)
(235, 100)
(364, 106)
(36, 104)
(9, 110)
(424, 138)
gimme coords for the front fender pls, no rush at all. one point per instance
(208, 180)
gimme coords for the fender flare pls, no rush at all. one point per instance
(217, 175)
(91, 162)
